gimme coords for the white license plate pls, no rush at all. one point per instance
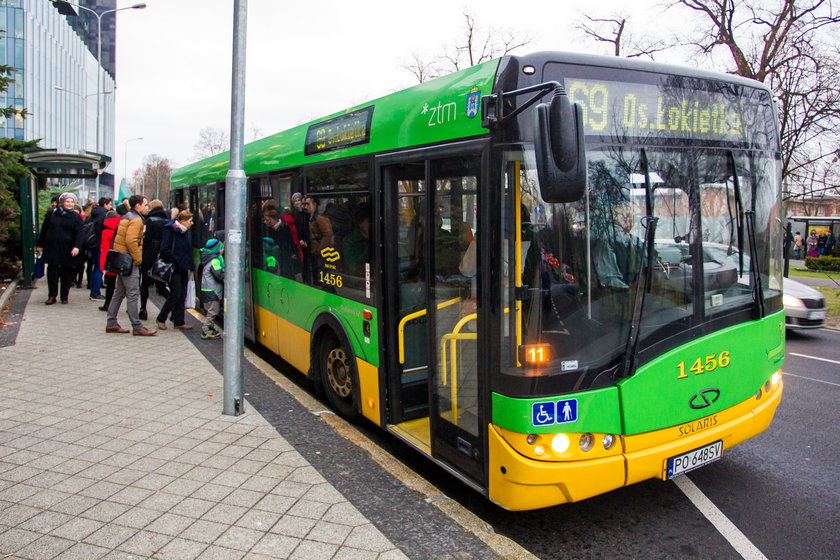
(816, 314)
(695, 459)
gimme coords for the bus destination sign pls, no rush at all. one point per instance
(351, 129)
(626, 109)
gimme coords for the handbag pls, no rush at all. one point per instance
(117, 262)
(161, 269)
(39, 267)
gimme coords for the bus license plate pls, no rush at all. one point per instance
(695, 459)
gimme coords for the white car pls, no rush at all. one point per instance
(804, 306)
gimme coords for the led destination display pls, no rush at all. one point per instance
(625, 109)
(340, 132)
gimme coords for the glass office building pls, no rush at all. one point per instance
(55, 70)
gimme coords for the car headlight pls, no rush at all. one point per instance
(790, 301)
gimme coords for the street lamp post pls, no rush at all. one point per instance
(125, 154)
(99, 58)
(84, 113)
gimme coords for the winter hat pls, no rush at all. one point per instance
(214, 246)
(65, 196)
(297, 195)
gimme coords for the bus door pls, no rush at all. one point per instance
(434, 391)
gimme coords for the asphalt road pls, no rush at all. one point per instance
(779, 490)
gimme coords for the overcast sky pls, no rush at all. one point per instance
(305, 59)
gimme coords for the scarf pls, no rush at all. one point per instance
(179, 227)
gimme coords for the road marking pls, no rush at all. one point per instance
(725, 527)
(811, 379)
(814, 358)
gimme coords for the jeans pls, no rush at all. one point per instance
(127, 287)
(212, 309)
(94, 274)
(175, 301)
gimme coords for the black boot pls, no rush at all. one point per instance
(143, 315)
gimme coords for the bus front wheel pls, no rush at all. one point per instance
(339, 377)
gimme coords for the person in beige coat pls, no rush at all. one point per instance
(129, 239)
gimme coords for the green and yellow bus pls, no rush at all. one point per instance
(554, 275)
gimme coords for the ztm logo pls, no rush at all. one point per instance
(330, 254)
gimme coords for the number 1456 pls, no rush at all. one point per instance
(701, 365)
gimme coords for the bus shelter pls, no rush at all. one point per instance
(46, 164)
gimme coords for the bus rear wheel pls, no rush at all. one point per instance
(339, 377)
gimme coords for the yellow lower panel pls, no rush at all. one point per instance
(266, 329)
(369, 390)
(733, 426)
(294, 344)
(518, 483)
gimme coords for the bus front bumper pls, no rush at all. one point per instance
(516, 482)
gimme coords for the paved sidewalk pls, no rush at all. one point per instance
(114, 446)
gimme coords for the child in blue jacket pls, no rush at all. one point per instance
(212, 285)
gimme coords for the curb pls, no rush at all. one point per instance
(504, 547)
(9, 291)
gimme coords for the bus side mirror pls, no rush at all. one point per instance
(558, 142)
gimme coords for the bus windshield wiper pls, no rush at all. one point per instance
(755, 277)
(629, 363)
(739, 212)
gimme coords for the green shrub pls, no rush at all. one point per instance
(830, 264)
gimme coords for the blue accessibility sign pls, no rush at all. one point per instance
(543, 413)
(554, 412)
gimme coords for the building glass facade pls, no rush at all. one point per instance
(53, 58)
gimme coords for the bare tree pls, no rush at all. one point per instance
(154, 178)
(614, 31)
(211, 141)
(476, 46)
(790, 45)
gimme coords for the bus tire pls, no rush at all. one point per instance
(338, 377)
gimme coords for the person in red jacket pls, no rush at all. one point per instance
(109, 229)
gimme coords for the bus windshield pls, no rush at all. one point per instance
(580, 266)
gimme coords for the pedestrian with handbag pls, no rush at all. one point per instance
(128, 240)
(176, 248)
(61, 239)
(155, 221)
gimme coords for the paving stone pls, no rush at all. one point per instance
(275, 546)
(110, 536)
(48, 546)
(77, 528)
(307, 550)
(15, 539)
(83, 551)
(239, 538)
(204, 531)
(181, 549)
(220, 553)
(293, 526)
(145, 543)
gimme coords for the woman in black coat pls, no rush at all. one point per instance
(176, 247)
(62, 234)
(156, 220)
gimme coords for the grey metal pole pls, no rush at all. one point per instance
(98, 86)
(235, 192)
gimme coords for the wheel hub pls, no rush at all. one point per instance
(338, 373)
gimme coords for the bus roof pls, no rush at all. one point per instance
(445, 108)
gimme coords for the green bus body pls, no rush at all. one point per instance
(719, 370)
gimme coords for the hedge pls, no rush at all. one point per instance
(830, 264)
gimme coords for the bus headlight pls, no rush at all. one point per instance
(776, 378)
(608, 440)
(560, 443)
(586, 442)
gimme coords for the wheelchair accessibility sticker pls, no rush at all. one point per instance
(554, 412)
